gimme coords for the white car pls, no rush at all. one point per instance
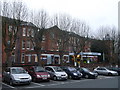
(104, 71)
(56, 73)
(16, 75)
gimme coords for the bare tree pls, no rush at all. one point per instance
(13, 14)
(62, 21)
(109, 34)
(79, 27)
(41, 20)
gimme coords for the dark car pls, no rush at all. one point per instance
(38, 73)
(117, 69)
(72, 72)
(87, 73)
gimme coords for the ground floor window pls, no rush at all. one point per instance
(23, 58)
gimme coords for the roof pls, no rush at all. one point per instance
(27, 24)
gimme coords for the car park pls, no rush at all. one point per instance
(56, 73)
(87, 73)
(38, 73)
(104, 71)
(72, 72)
(16, 75)
(117, 69)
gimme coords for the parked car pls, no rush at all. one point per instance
(56, 73)
(72, 72)
(117, 69)
(105, 71)
(16, 75)
(38, 73)
(87, 73)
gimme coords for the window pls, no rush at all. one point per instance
(42, 48)
(24, 31)
(32, 47)
(15, 30)
(28, 44)
(10, 28)
(32, 33)
(43, 38)
(28, 32)
(29, 58)
(23, 44)
(52, 35)
(49, 69)
(23, 57)
(101, 69)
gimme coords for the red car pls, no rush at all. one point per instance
(38, 73)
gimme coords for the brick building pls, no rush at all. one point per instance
(56, 45)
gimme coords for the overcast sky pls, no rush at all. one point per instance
(94, 12)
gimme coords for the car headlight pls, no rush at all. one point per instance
(75, 74)
(48, 75)
(30, 77)
(57, 74)
(38, 76)
(16, 78)
(91, 73)
(81, 74)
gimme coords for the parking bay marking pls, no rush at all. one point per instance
(38, 84)
(103, 77)
(8, 85)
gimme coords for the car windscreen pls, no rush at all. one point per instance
(39, 69)
(86, 70)
(18, 71)
(57, 69)
(72, 69)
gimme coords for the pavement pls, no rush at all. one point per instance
(100, 82)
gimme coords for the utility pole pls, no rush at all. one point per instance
(119, 34)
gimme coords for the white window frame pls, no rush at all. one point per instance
(32, 32)
(10, 28)
(28, 32)
(23, 44)
(28, 44)
(24, 31)
(23, 58)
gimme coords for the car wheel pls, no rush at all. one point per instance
(54, 78)
(48, 80)
(29, 83)
(11, 82)
(3, 79)
(86, 76)
(70, 77)
(97, 73)
(34, 79)
(110, 74)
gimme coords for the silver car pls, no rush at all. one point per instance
(105, 71)
(16, 75)
(56, 73)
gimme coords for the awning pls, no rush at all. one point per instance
(90, 53)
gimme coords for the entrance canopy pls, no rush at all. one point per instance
(90, 53)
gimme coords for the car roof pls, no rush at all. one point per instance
(51, 66)
(14, 67)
